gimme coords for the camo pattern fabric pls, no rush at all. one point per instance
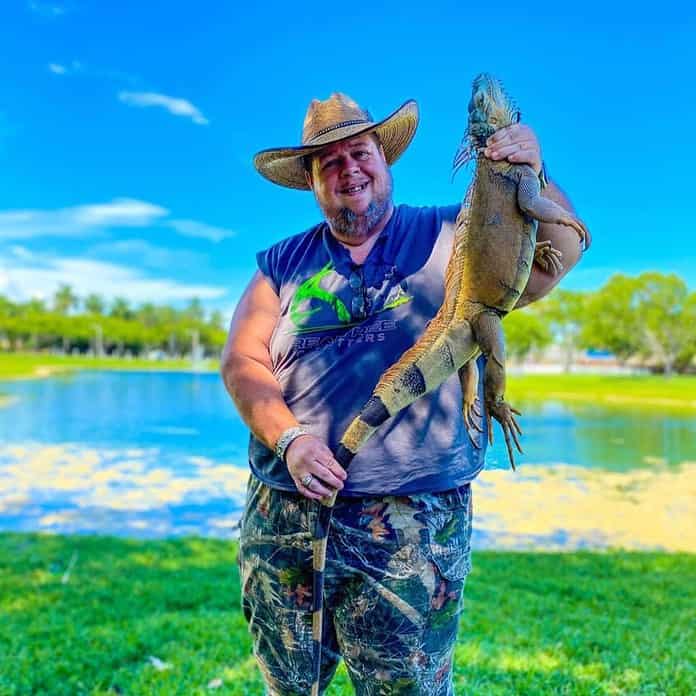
(395, 574)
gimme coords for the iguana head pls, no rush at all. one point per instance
(490, 108)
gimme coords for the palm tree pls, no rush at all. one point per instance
(195, 311)
(65, 299)
(94, 304)
(120, 308)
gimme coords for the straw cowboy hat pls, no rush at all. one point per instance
(336, 118)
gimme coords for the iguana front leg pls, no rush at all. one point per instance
(531, 201)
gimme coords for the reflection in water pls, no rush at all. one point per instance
(73, 489)
(601, 437)
(156, 454)
(564, 507)
(69, 488)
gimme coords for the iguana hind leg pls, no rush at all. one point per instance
(489, 336)
(468, 378)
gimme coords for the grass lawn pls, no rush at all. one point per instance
(22, 365)
(678, 392)
(534, 623)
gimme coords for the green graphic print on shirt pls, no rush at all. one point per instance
(311, 290)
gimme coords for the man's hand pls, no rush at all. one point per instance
(517, 144)
(307, 456)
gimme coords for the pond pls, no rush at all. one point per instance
(155, 454)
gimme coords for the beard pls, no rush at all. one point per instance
(357, 227)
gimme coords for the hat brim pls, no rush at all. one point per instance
(284, 165)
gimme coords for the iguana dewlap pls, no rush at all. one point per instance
(494, 248)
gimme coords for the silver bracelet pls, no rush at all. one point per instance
(286, 438)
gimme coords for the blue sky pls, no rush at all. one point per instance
(127, 129)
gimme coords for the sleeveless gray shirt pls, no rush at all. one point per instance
(341, 326)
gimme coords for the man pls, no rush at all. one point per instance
(328, 311)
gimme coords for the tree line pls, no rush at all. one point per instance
(648, 319)
(70, 324)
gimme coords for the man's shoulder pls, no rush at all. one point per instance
(281, 260)
(288, 244)
(409, 214)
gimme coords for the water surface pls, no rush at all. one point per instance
(154, 454)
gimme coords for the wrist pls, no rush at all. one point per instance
(287, 437)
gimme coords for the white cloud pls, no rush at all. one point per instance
(91, 220)
(79, 221)
(177, 107)
(45, 9)
(23, 282)
(72, 68)
(22, 253)
(193, 228)
(124, 212)
(144, 254)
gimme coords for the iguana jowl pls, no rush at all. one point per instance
(494, 248)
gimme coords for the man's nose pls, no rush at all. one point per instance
(349, 166)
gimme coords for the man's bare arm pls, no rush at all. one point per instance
(563, 238)
(246, 364)
(247, 372)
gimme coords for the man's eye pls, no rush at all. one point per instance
(328, 163)
(361, 154)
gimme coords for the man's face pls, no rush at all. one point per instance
(352, 184)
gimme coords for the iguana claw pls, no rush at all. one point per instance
(503, 413)
(469, 410)
(579, 227)
(548, 258)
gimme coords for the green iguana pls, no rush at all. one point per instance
(494, 248)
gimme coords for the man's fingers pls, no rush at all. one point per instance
(309, 494)
(334, 467)
(505, 134)
(502, 150)
(516, 143)
(310, 486)
(317, 489)
(323, 472)
(515, 131)
(524, 150)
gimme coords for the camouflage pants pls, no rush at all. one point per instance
(395, 574)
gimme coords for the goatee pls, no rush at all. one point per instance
(356, 227)
(359, 227)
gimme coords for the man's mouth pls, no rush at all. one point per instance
(352, 190)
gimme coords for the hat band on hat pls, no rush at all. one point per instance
(336, 126)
